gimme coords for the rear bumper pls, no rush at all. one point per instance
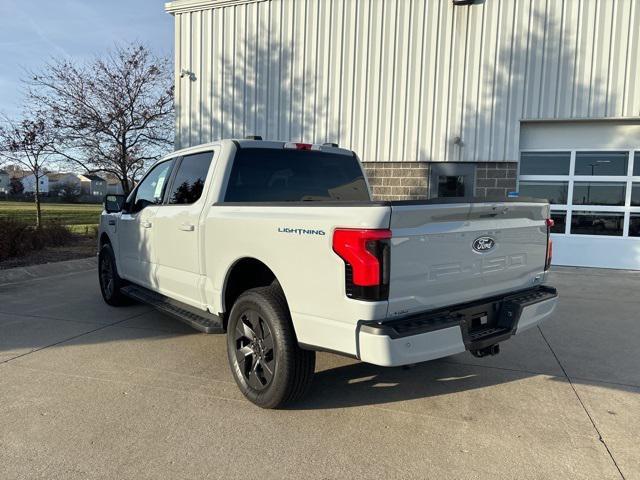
(444, 332)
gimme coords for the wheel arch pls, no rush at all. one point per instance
(244, 274)
(104, 239)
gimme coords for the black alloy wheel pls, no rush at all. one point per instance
(110, 281)
(255, 349)
(266, 361)
(107, 281)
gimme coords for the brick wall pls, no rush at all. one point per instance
(398, 180)
(410, 180)
(496, 178)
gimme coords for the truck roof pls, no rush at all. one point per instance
(246, 143)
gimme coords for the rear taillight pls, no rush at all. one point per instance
(550, 224)
(366, 256)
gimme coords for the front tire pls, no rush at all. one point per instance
(269, 367)
(110, 281)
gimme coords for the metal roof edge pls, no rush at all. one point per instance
(183, 6)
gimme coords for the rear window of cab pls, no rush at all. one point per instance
(274, 175)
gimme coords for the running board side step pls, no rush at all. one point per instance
(200, 320)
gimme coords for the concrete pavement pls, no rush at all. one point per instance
(89, 391)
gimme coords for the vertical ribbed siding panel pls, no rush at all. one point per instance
(473, 68)
(335, 58)
(227, 111)
(431, 54)
(325, 66)
(551, 54)
(631, 95)
(537, 38)
(399, 80)
(276, 70)
(250, 56)
(312, 72)
(443, 65)
(351, 29)
(286, 69)
(584, 58)
(240, 78)
(179, 103)
(217, 74)
(398, 124)
(206, 73)
(504, 53)
(601, 53)
(456, 84)
(186, 112)
(617, 59)
(387, 73)
(262, 61)
(299, 53)
(521, 39)
(413, 94)
(487, 84)
(194, 91)
(566, 60)
(366, 80)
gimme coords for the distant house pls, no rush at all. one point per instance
(29, 183)
(114, 185)
(93, 185)
(5, 183)
(56, 180)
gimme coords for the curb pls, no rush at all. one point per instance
(36, 272)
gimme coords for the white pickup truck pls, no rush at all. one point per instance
(280, 246)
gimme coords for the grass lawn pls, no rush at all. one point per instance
(84, 215)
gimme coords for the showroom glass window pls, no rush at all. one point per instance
(590, 192)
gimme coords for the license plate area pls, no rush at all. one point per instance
(484, 323)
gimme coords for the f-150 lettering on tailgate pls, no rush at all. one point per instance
(479, 267)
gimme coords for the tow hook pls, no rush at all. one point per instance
(487, 351)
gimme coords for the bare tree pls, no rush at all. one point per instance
(111, 115)
(29, 143)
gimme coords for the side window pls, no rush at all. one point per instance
(151, 190)
(189, 179)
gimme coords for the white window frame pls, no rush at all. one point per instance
(569, 208)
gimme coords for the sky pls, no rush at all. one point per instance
(34, 31)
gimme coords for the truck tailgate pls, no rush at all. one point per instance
(447, 254)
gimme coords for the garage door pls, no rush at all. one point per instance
(594, 193)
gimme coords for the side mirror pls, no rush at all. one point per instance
(114, 203)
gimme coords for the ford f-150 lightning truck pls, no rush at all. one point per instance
(280, 246)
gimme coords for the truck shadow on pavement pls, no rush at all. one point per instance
(361, 384)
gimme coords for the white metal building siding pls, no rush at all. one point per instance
(398, 80)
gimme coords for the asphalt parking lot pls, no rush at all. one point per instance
(89, 391)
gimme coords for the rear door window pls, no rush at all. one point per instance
(281, 175)
(188, 183)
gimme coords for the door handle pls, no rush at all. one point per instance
(146, 224)
(185, 227)
(112, 222)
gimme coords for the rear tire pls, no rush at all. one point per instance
(269, 367)
(110, 281)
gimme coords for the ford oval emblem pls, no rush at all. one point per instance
(483, 244)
